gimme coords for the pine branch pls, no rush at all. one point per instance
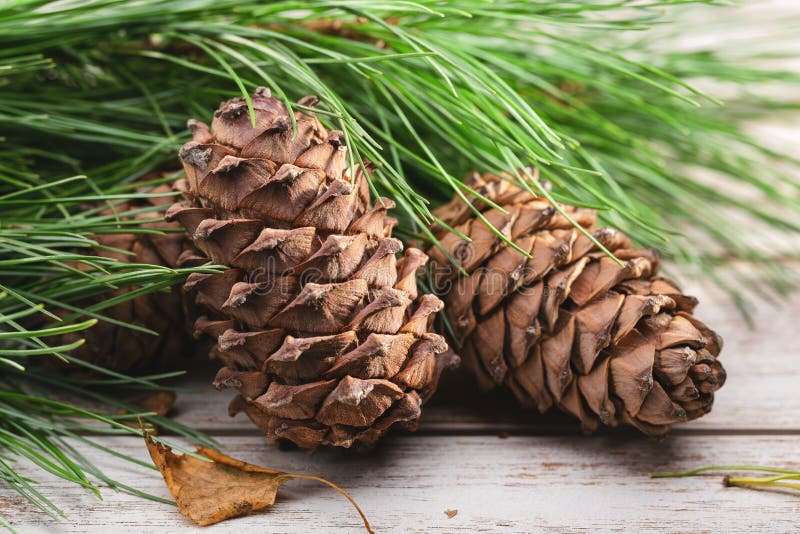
(51, 271)
(42, 430)
(611, 125)
(782, 478)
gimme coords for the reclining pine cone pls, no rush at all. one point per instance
(318, 325)
(610, 344)
(123, 349)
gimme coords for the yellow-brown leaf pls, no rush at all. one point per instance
(220, 487)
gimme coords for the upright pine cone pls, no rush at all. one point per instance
(607, 343)
(123, 349)
(318, 324)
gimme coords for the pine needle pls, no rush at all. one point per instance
(783, 480)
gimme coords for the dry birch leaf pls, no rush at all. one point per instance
(221, 487)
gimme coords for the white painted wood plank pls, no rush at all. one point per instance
(519, 484)
(763, 365)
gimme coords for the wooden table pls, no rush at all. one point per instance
(502, 469)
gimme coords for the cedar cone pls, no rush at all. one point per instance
(120, 348)
(318, 325)
(610, 344)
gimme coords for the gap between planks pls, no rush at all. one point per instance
(515, 431)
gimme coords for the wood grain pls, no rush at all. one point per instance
(518, 484)
(543, 477)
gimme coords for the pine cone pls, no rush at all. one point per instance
(318, 324)
(610, 344)
(120, 348)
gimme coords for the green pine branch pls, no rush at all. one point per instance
(781, 479)
(53, 281)
(590, 92)
(40, 430)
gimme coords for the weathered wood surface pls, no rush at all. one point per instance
(518, 484)
(544, 476)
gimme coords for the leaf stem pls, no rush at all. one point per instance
(341, 491)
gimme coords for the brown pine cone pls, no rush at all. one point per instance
(130, 351)
(318, 324)
(610, 344)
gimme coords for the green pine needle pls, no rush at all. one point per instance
(43, 430)
(783, 480)
(594, 94)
